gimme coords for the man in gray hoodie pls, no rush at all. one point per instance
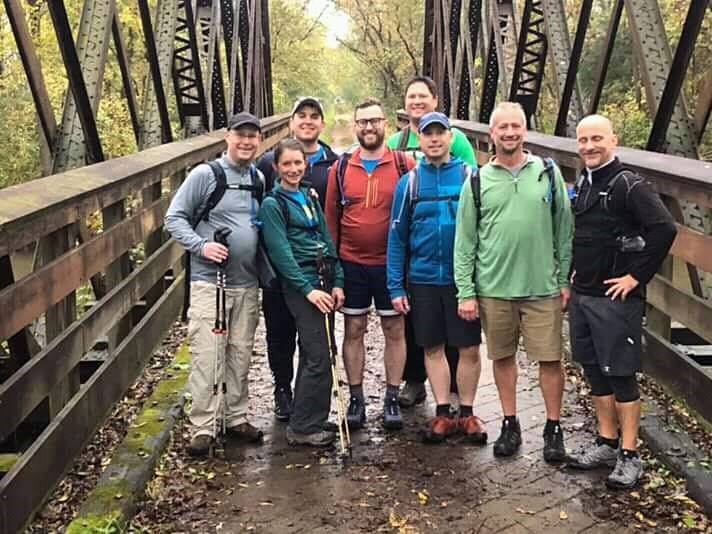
(187, 224)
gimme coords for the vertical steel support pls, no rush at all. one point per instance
(560, 49)
(207, 25)
(428, 36)
(704, 107)
(676, 76)
(33, 69)
(655, 58)
(604, 61)
(78, 137)
(505, 30)
(489, 86)
(126, 79)
(531, 59)
(230, 34)
(156, 122)
(563, 119)
(187, 73)
(267, 60)
(468, 45)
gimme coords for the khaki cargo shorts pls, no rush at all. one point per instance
(538, 321)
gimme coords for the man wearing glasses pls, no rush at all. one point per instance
(358, 207)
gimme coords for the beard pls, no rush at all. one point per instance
(377, 142)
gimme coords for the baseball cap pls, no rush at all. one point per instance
(308, 101)
(434, 117)
(243, 119)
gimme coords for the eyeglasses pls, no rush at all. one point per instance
(375, 121)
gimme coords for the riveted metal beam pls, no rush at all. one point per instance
(126, 79)
(78, 137)
(428, 37)
(605, 59)
(230, 24)
(560, 53)
(267, 60)
(207, 23)
(156, 122)
(531, 59)
(704, 107)
(33, 69)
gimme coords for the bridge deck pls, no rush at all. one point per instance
(277, 488)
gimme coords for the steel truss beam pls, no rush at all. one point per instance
(129, 92)
(78, 137)
(187, 73)
(560, 51)
(207, 23)
(605, 59)
(230, 24)
(655, 58)
(156, 122)
(531, 59)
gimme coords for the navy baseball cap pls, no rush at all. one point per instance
(434, 117)
(238, 120)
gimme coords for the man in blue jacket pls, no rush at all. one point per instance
(420, 249)
(306, 125)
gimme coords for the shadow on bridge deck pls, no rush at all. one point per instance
(277, 488)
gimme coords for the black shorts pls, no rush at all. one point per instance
(607, 333)
(364, 284)
(435, 320)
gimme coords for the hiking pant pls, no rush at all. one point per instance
(312, 390)
(242, 316)
(281, 335)
(415, 358)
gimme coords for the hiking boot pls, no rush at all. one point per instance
(626, 473)
(330, 427)
(282, 404)
(554, 450)
(392, 419)
(597, 455)
(439, 428)
(473, 428)
(509, 440)
(245, 432)
(323, 438)
(200, 445)
(356, 414)
(411, 393)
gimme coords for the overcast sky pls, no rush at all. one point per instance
(337, 23)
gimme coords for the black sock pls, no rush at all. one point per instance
(465, 411)
(442, 409)
(611, 442)
(627, 453)
(511, 419)
(356, 390)
(391, 391)
(551, 425)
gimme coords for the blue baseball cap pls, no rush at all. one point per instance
(434, 117)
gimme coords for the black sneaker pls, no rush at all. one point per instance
(356, 414)
(554, 450)
(509, 439)
(392, 419)
(282, 404)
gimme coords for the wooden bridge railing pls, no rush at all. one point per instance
(49, 407)
(673, 298)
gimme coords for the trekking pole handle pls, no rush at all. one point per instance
(220, 236)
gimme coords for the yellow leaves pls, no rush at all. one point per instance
(641, 518)
(423, 497)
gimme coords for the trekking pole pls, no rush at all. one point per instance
(344, 434)
(220, 331)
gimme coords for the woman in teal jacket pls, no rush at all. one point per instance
(297, 240)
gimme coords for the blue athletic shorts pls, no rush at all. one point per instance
(364, 284)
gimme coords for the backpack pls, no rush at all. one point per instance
(341, 164)
(403, 139)
(607, 193)
(549, 170)
(283, 200)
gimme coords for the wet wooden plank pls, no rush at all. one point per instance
(52, 454)
(31, 383)
(31, 296)
(692, 311)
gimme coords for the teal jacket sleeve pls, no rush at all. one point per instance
(398, 240)
(274, 233)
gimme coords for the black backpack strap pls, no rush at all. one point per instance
(403, 139)
(217, 193)
(258, 187)
(341, 165)
(625, 174)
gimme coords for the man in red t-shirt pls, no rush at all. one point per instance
(358, 211)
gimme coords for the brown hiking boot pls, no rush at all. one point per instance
(473, 428)
(245, 432)
(200, 445)
(439, 428)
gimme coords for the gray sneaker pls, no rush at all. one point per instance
(626, 473)
(598, 455)
(411, 393)
(324, 438)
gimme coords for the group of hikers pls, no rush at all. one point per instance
(443, 249)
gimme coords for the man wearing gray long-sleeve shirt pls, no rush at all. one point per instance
(236, 210)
